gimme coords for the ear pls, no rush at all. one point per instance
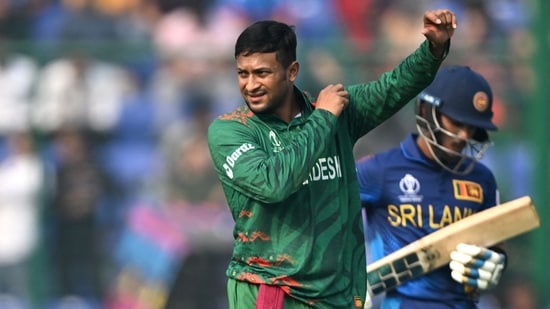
(420, 108)
(293, 70)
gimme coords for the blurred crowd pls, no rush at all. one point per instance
(107, 194)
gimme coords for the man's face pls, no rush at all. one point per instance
(453, 137)
(460, 133)
(264, 83)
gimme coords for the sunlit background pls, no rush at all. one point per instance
(107, 194)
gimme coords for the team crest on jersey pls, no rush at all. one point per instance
(410, 186)
(275, 141)
(468, 191)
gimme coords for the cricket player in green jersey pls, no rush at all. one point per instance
(287, 169)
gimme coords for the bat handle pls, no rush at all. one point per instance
(368, 301)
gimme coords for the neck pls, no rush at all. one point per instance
(424, 147)
(288, 111)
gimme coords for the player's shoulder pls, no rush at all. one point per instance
(481, 169)
(225, 125)
(382, 155)
(482, 174)
(376, 163)
(241, 114)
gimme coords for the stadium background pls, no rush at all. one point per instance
(107, 195)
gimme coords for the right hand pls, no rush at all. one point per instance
(439, 27)
(333, 98)
(477, 267)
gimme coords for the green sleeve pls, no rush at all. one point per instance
(372, 103)
(244, 164)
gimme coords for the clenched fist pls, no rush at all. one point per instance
(439, 27)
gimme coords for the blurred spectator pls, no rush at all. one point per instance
(140, 22)
(18, 74)
(168, 87)
(80, 91)
(251, 9)
(195, 56)
(115, 7)
(315, 20)
(189, 178)
(78, 192)
(22, 180)
(521, 79)
(180, 32)
(86, 23)
(14, 19)
(133, 20)
(47, 18)
(129, 154)
(358, 19)
(394, 34)
(481, 26)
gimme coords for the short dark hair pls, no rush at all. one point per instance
(268, 36)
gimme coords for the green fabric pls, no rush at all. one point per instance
(292, 187)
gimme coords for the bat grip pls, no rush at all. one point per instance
(368, 300)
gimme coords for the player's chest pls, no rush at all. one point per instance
(432, 199)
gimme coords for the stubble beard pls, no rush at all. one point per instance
(271, 106)
(445, 157)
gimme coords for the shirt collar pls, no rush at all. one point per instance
(411, 151)
(305, 104)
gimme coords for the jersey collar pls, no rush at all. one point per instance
(305, 103)
(412, 152)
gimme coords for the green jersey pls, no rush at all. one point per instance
(292, 187)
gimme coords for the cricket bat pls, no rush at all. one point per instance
(485, 228)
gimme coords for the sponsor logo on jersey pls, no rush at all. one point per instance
(410, 186)
(326, 168)
(467, 190)
(233, 157)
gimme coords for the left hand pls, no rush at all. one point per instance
(477, 267)
(439, 27)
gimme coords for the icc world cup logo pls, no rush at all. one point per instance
(409, 185)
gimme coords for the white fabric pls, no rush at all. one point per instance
(20, 182)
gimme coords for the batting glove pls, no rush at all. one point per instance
(476, 267)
